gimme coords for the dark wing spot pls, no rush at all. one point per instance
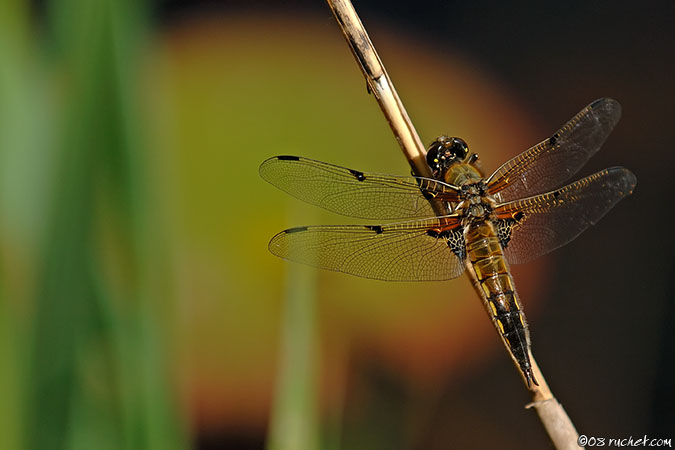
(444, 234)
(504, 228)
(456, 242)
(376, 228)
(518, 216)
(359, 175)
(433, 233)
(554, 139)
(288, 158)
(296, 230)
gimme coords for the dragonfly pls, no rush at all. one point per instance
(458, 220)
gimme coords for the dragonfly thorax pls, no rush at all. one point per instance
(475, 204)
(472, 190)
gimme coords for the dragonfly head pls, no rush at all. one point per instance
(444, 152)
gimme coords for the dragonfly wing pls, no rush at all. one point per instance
(550, 163)
(426, 250)
(354, 193)
(534, 226)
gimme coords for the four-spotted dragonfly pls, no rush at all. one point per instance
(459, 219)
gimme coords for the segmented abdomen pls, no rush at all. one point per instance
(489, 270)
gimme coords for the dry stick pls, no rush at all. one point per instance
(380, 85)
(551, 413)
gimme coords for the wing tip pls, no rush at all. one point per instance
(272, 159)
(263, 165)
(275, 245)
(607, 104)
(625, 180)
(631, 180)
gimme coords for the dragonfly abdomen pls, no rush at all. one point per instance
(490, 274)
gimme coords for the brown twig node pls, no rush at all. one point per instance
(551, 413)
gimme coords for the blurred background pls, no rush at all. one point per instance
(140, 308)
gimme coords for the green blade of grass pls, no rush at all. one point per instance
(294, 421)
(98, 376)
(16, 150)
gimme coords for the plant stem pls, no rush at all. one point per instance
(380, 85)
(551, 413)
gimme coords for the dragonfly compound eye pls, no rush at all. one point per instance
(434, 155)
(459, 148)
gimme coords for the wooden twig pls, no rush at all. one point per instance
(551, 413)
(381, 86)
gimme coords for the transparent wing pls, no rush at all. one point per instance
(408, 251)
(550, 163)
(354, 193)
(539, 224)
